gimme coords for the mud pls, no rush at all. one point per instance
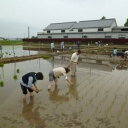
(97, 99)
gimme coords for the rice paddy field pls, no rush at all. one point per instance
(98, 97)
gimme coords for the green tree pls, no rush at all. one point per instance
(103, 18)
(126, 23)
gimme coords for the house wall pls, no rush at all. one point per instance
(90, 30)
(86, 35)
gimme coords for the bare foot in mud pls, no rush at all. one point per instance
(49, 87)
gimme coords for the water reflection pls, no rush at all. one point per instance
(14, 68)
(2, 73)
(13, 51)
(39, 62)
(55, 96)
(53, 61)
(73, 89)
(32, 115)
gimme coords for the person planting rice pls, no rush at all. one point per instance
(28, 83)
(57, 73)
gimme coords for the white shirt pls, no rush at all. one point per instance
(126, 52)
(52, 45)
(75, 57)
(60, 71)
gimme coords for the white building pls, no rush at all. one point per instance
(104, 28)
(1, 38)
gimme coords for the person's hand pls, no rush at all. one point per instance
(37, 91)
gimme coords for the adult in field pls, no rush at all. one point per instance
(62, 46)
(53, 47)
(74, 62)
(56, 73)
(28, 83)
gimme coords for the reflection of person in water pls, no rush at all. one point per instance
(54, 96)
(32, 115)
(53, 62)
(73, 89)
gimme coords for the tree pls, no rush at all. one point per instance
(103, 18)
(126, 23)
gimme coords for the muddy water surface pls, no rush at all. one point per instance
(97, 99)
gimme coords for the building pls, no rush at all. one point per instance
(1, 38)
(91, 29)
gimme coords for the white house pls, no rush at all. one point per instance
(103, 28)
(1, 38)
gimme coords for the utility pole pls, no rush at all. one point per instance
(28, 31)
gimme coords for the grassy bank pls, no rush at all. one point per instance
(11, 42)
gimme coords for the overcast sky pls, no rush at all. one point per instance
(17, 15)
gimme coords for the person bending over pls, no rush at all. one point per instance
(28, 83)
(57, 73)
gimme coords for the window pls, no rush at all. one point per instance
(124, 29)
(80, 30)
(49, 37)
(84, 36)
(65, 36)
(48, 31)
(108, 37)
(71, 30)
(122, 36)
(100, 29)
(62, 31)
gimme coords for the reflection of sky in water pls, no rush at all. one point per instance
(8, 51)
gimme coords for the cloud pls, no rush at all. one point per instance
(40, 13)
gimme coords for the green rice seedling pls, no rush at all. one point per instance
(1, 83)
(15, 77)
(46, 57)
(17, 70)
(1, 65)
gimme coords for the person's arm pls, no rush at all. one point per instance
(66, 78)
(78, 60)
(37, 90)
(70, 83)
(71, 61)
(30, 84)
(34, 89)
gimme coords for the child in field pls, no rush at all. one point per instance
(28, 83)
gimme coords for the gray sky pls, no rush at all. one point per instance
(17, 15)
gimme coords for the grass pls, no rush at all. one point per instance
(17, 70)
(46, 56)
(15, 77)
(1, 83)
(1, 65)
(11, 42)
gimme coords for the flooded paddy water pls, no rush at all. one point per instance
(98, 97)
(15, 50)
